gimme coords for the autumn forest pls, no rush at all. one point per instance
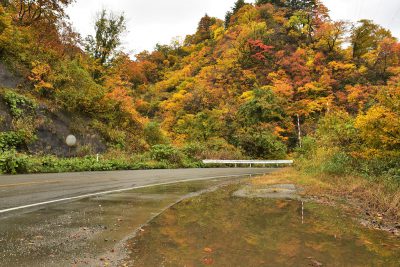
(276, 79)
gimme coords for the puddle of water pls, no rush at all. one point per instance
(221, 229)
(88, 232)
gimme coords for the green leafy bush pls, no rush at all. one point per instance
(215, 148)
(337, 129)
(11, 140)
(193, 149)
(338, 164)
(381, 165)
(78, 91)
(308, 148)
(261, 144)
(19, 104)
(12, 163)
(394, 175)
(166, 153)
(154, 135)
(337, 148)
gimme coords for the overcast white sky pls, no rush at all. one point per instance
(158, 21)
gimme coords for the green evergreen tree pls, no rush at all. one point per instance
(301, 4)
(237, 6)
(274, 2)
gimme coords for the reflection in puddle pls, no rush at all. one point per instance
(220, 229)
(89, 232)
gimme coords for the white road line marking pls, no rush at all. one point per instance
(119, 191)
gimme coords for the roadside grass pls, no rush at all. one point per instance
(287, 175)
(17, 163)
(376, 202)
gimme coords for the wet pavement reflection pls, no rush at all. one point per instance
(88, 232)
(221, 228)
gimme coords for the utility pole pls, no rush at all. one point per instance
(299, 130)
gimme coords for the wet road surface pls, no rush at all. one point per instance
(19, 191)
(91, 231)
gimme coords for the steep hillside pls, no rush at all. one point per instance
(275, 78)
(263, 79)
(36, 128)
(48, 89)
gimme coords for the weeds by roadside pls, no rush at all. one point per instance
(159, 157)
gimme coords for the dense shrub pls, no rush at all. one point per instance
(166, 153)
(394, 175)
(261, 144)
(337, 148)
(307, 149)
(12, 162)
(337, 164)
(11, 140)
(215, 148)
(78, 91)
(15, 163)
(154, 135)
(337, 129)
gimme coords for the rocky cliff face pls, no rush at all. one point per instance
(7, 78)
(56, 126)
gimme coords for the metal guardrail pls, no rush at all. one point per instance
(248, 162)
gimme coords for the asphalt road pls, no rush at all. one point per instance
(24, 190)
